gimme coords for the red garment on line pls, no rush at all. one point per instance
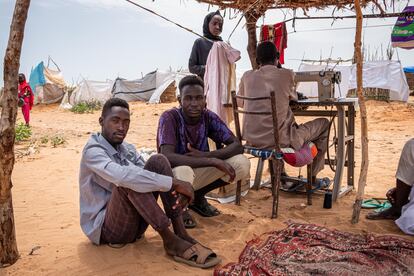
(276, 33)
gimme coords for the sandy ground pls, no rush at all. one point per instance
(46, 197)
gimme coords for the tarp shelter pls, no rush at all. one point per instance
(47, 84)
(87, 91)
(387, 74)
(149, 88)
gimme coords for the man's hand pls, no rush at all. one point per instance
(225, 167)
(194, 152)
(184, 192)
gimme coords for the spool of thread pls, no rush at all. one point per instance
(327, 201)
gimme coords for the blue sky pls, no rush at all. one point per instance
(104, 39)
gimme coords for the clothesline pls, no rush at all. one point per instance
(165, 18)
(385, 15)
(342, 28)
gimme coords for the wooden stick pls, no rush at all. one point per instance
(363, 111)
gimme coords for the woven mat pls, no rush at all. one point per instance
(304, 249)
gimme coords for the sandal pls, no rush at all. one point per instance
(188, 220)
(198, 256)
(205, 209)
(385, 214)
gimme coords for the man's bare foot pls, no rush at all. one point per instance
(390, 213)
(176, 246)
(180, 231)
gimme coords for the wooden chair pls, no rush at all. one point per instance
(274, 155)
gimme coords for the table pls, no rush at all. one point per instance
(345, 112)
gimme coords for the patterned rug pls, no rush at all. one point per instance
(308, 249)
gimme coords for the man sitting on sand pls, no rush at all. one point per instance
(402, 196)
(183, 138)
(258, 130)
(119, 191)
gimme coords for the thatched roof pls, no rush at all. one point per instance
(263, 5)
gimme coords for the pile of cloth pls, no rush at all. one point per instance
(305, 249)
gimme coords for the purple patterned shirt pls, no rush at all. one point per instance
(172, 130)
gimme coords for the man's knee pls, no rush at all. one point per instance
(323, 125)
(184, 173)
(158, 159)
(241, 165)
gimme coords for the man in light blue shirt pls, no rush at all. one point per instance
(119, 191)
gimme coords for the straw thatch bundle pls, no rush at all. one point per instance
(261, 6)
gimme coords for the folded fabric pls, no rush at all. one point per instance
(377, 204)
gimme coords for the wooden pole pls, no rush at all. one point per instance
(363, 111)
(251, 20)
(8, 246)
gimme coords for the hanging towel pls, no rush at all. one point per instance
(278, 35)
(220, 79)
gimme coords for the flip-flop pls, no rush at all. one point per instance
(205, 209)
(381, 215)
(198, 256)
(188, 220)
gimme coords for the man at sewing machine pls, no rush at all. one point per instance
(258, 129)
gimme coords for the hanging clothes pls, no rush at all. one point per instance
(276, 33)
(403, 32)
(220, 79)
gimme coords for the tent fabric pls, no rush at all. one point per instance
(376, 74)
(135, 90)
(37, 77)
(409, 69)
(149, 88)
(47, 84)
(55, 77)
(90, 90)
(403, 32)
(385, 75)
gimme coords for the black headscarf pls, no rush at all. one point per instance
(206, 30)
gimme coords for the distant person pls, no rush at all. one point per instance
(119, 191)
(183, 138)
(212, 28)
(25, 98)
(402, 196)
(258, 130)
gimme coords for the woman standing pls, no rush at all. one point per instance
(26, 98)
(212, 28)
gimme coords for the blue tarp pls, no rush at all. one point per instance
(37, 77)
(409, 69)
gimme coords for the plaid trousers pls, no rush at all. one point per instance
(129, 213)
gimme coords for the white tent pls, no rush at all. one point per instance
(87, 91)
(376, 74)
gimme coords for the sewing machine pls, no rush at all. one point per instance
(326, 82)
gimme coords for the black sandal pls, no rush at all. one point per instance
(204, 209)
(188, 220)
